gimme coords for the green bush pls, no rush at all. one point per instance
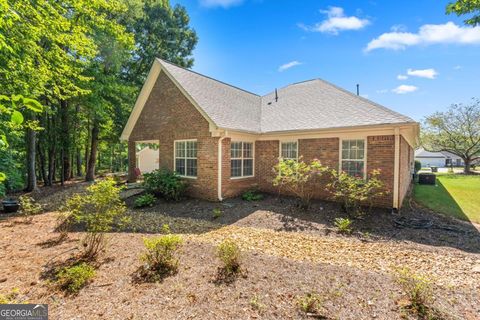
(10, 298)
(418, 166)
(295, 177)
(146, 200)
(229, 253)
(310, 303)
(99, 210)
(216, 213)
(160, 257)
(343, 225)
(252, 195)
(165, 183)
(28, 207)
(354, 192)
(419, 292)
(72, 279)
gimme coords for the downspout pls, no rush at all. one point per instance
(220, 162)
(396, 169)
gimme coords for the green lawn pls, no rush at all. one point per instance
(455, 195)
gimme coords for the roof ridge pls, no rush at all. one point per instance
(208, 77)
(289, 85)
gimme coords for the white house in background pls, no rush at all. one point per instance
(148, 160)
(437, 159)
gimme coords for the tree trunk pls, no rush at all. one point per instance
(31, 157)
(42, 163)
(468, 163)
(92, 159)
(65, 138)
(79, 162)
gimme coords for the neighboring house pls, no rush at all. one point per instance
(226, 140)
(147, 160)
(437, 159)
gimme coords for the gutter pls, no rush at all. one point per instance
(219, 170)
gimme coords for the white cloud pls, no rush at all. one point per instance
(220, 3)
(427, 34)
(404, 88)
(336, 22)
(457, 67)
(289, 65)
(425, 73)
(402, 77)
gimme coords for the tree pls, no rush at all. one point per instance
(462, 7)
(457, 131)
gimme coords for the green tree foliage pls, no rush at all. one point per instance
(463, 7)
(85, 61)
(456, 130)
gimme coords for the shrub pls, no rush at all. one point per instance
(29, 208)
(418, 166)
(252, 195)
(310, 303)
(10, 298)
(295, 176)
(99, 209)
(419, 292)
(146, 200)
(63, 224)
(74, 278)
(216, 213)
(343, 225)
(354, 192)
(165, 183)
(160, 257)
(229, 253)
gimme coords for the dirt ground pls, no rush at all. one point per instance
(286, 253)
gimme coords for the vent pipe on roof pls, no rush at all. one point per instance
(358, 89)
(276, 95)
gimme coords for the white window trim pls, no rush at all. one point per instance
(175, 158)
(340, 149)
(242, 158)
(280, 147)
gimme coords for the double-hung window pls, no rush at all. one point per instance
(353, 157)
(289, 150)
(186, 158)
(241, 159)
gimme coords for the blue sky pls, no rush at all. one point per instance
(407, 55)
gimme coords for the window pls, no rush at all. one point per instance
(288, 150)
(353, 157)
(186, 158)
(241, 155)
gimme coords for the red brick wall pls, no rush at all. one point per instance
(167, 116)
(406, 162)
(266, 157)
(381, 155)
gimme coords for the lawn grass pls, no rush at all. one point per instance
(455, 195)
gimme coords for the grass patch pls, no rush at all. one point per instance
(455, 195)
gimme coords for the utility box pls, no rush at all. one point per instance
(427, 178)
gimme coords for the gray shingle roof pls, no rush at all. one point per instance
(309, 105)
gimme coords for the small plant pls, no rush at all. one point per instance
(165, 229)
(72, 279)
(99, 210)
(256, 303)
(418, 166)
(419, 292)
(29, 208)
(296, 176)
(146, 200)
(63, 224)
(10, 298)
(229, 253)
(160, 257)
(165, 183)
(354, 192)
(310, 303)
(343, 225)
(252, 195)
(216, 213)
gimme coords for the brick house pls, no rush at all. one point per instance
(226, 140)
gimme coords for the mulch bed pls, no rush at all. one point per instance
(286, 253)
